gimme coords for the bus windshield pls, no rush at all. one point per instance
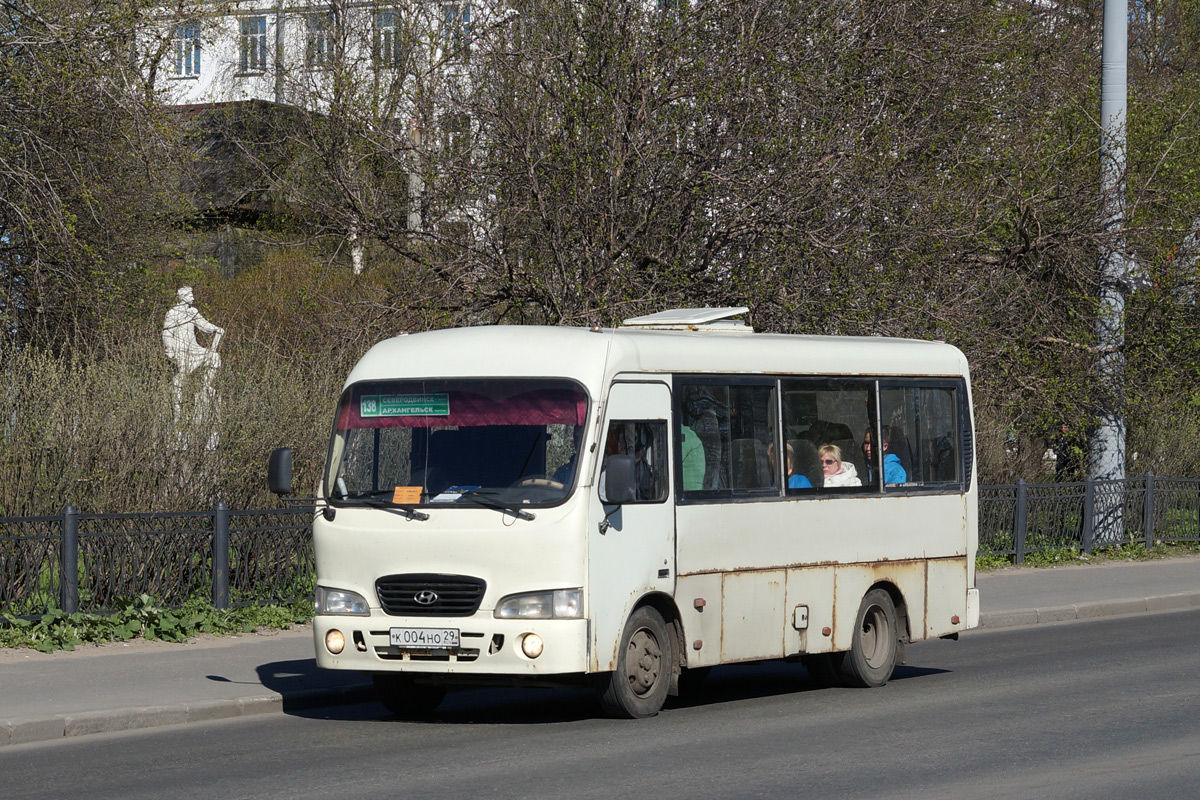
(469, 442)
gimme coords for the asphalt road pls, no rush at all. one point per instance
(1102, 709)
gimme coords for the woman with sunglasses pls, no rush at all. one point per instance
(836, 472)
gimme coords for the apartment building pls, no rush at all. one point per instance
(290, 52)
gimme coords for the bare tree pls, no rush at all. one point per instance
(897, 168)
(85, 187)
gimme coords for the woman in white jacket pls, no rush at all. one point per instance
(837, 472)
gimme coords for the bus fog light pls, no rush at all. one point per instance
(335, 642)
(531, 645)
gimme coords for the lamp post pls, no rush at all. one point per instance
(1107, 456)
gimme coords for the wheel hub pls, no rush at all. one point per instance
(643, 662)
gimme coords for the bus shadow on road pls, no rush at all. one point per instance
(478, 706)
(528, 706)
(768, 679)
(300, 683)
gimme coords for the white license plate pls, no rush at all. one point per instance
(425, 638)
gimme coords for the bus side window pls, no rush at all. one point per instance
(705, 412)
(920, 429)
(646, 442)
(735, 426)
(823, 420)
(938, 447)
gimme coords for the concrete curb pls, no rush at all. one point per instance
(1092, 610)
(62, 726)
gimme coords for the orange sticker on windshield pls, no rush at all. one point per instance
(407, 495)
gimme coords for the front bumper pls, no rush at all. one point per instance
(488, 647)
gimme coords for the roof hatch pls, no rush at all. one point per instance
(693, 319)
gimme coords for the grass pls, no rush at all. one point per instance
(1060, 556)
(143, 618)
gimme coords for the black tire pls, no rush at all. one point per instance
(873, 651)
(404, 697)
(638, 687)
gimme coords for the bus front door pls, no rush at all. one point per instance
(631, 548)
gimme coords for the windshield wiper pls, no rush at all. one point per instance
(369, 500)
(483, 497)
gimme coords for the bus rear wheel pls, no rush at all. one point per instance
(404, 697)
(873, 651)
(638, 686)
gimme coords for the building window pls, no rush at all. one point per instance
(252, 56)
(187, 50)
(456, 29)
(456, 127)
(318, 48)
(388, 50)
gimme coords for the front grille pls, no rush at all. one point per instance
(447, 595)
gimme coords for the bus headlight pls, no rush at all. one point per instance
(554, 604)
(341, 602)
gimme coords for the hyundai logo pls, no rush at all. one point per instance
(426, 597)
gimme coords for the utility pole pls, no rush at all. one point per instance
(1107, 452)
(280, 43)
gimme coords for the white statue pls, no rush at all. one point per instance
(187, 354)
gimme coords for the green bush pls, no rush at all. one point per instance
(143, 618)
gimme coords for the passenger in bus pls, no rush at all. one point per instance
(893, 470)
(693, 459)
(794, 480)
(837, 472)
(708, 418)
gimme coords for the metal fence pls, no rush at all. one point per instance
(91, 562)
(1035, 517)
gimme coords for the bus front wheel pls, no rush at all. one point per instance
(873, 651)
(638, 686)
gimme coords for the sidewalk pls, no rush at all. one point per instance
(146, 684)
(1026, 596)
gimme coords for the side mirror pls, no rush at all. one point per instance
(618, 485)
(279, 471)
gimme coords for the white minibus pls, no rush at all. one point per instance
(628, 507)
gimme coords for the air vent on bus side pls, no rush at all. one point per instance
(423, 595)
(968, 453)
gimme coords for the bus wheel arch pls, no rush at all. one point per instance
(903, 620)
(647, 664)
